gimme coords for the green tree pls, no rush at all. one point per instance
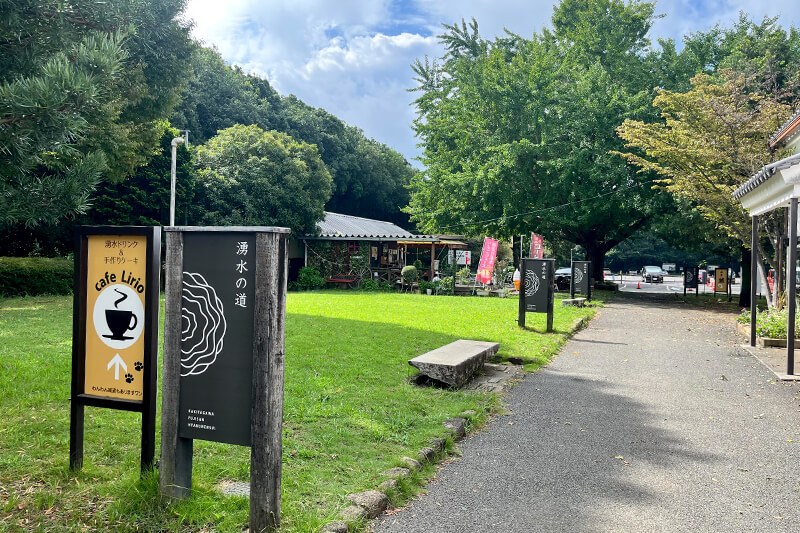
(249, 176)
(143, 198)
(517, 133)
(369, 178)
(82, 87)
(706, 173)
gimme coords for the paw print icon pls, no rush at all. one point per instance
(138, 366)
(129, 377)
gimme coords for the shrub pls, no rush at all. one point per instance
(309, 278)
(409, 273)
(425, 285)
(770, 324)
(462, 276)
(32, 276)
(370, 285)
(445, 286)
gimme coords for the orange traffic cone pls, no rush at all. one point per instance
(638, 285)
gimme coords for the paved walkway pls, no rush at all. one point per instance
(651, 419)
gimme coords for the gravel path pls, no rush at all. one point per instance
(651, 419)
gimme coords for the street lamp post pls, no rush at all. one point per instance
(175, 142)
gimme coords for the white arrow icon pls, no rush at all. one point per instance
(116, 362)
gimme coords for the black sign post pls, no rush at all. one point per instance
(537, 289)
(115, 329)
(581, 279)
(691, 275)
(223, 355)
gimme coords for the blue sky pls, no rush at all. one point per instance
(353, 57)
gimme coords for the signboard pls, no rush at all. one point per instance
(721, 280)
(537, 246)
(668, 267)
(581, 278)
(463, 257)
(486, 264)
(537, 289)
(691, 276)
(217, 302)
(115, 327)
(224, 351)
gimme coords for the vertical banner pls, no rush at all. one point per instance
(486, 264)
(537, 246)
(537, 289)
(581, 278)
(115, 328)
(217, 302)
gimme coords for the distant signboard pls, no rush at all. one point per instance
(581, 277)
(691, 276)
(463, 257)
(721, 280)
(668, 267)
(537, 288)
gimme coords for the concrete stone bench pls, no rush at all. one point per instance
(455, 363)
(575, 302)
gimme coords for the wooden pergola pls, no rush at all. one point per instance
(776, 186)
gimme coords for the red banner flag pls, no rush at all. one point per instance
(537, 246)
(486, 265)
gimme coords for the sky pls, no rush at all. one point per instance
(353, 57)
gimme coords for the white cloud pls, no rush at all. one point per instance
(353, 57)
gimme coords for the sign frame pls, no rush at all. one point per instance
(695, 283)
(721, 279)
(80, 323)
(268, 347)
(528, 264)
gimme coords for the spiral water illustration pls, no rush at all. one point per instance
(203, 325)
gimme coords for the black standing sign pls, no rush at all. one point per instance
(217, 302)
(581, 278)
(691, 278)
(537, 289)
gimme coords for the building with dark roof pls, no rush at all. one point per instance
(389, 247)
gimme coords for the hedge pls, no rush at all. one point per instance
(32, 276)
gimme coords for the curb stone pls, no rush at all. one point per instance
(353, 513)
(457, 425)
(335, 527)
(374, 502)
(396, 472)
(413, 464)
(427, 455)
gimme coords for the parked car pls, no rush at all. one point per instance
(607, 274)
(563, 278)
(702, 277)
(652, 274)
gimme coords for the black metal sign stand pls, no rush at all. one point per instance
(537, 289)
(585, 284)
(270, 262)
(79, 397)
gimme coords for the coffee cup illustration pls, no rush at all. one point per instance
(119, 322)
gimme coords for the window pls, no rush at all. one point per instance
(353, 247)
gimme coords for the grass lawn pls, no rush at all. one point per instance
(350, 413)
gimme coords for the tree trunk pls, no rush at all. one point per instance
(744, 292)
(597, 255)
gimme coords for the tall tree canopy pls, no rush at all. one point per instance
(369, 178)
(82, 87)
(249, 176)
(514, 128)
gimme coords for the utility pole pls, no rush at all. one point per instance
(175, 142)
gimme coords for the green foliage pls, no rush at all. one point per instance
(445, 286)
(409, 273)
(463, 275)
(309, 278)
(770, 323)
(514, 127)
(425, 285)
(418, 265)
(143, 199)
(82, 86)
(369, 178)
(33, 276)
(253, 177)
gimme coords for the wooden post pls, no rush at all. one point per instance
(791, 273)
(268, 361)
(175, 470)
(433, 256)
